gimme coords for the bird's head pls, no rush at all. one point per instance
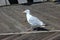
(26, 11)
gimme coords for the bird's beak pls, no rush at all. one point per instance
(23, 12)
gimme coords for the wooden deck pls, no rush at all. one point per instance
(32, 36)
(13, 20)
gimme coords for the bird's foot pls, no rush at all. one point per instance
(29, 29)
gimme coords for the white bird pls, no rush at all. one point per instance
(32, 20)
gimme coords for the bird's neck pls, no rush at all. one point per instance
(28, 15)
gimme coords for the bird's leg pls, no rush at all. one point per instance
(30, 29)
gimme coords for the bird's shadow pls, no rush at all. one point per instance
(40, 29)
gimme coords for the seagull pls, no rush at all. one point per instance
(33, 21)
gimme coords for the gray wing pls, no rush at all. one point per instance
(35, 21)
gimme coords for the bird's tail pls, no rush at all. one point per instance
(43, 26)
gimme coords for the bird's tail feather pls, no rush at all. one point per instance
(43, 26)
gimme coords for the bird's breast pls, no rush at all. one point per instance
(28, 16)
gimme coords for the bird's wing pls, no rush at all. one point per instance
(35, 21)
